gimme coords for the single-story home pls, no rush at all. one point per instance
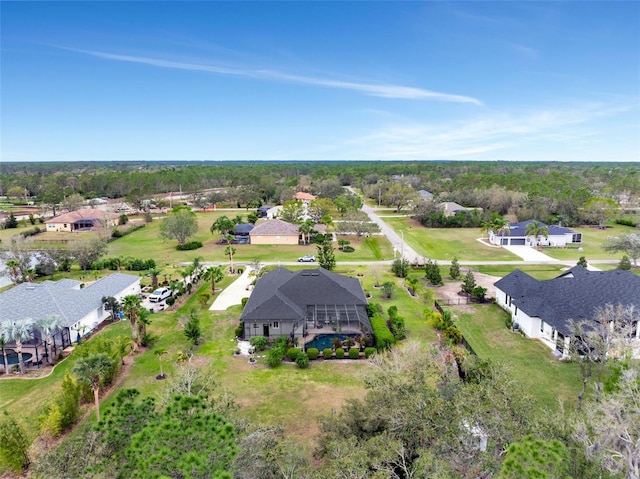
(79, 306)
(305, 303)
(544, 309)
(425, 195)
(81, 220)
(450, 208)
(274, 232)
(515, 236)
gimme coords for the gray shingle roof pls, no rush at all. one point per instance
(283, 294)
(574, 295)
(275, 227)
(64, 298)
(518, 229)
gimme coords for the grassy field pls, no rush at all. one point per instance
(445, 243)
(547, 379)
(538, 271)
(147, 240)
(592, 241)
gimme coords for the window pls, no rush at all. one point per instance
(275, 324)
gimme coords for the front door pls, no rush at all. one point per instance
(265, 330)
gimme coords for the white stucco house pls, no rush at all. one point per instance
(556, 236)
(79, 305)
(544, 309)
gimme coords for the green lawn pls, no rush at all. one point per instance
(145, 243)
(538, 271)
(547, 379)
(445, 243)
(592, 241)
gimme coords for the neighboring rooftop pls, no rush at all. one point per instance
(574, 295)
(82, 215)
(301, 195)
(65, 298)
(275, 227)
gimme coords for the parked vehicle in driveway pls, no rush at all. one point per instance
(159, 294)
(307, 258)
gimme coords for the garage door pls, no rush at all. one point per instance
(517, 241)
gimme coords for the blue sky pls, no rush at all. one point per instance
(100, 81)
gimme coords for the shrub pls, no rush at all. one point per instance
(625, 263)
(368, 352)
(148, 339)
(189, 246)
(479, 293)
(400, 267)
(274, 357)
(432, 272)
(302, 361)
(116, 233)
(388, 289)
(259, 342)
(239, 332)
(170, 301)
(31, 232)
(340, 353)
(293, 353)
(383, 336)
(244, 302)
(626, 222)
(64, 410)
(348, 249)
(327, 353)
(354, 353)
(313, 353)
(14, 444)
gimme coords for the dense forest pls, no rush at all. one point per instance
(548, 191)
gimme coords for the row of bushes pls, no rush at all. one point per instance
(32, 232)
(129, 264)
(189, 246)
(626, 222)
(116, 233)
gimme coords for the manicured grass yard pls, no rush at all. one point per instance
(445, 243)
(592, 241)
(145, 243)
(547, 379)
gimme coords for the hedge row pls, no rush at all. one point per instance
(382, 333)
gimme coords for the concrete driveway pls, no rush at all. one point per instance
(528, 253)
(233, 294)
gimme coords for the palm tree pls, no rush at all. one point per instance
(91, 370)
(131, 307)
(223, 225)
(143, 320)
(197, 265)
(536, 229)
(17, 331)
(5, 361)
(215, 274)
(306, 227)
(413, 285)
(159, 353)
(48, 326)
(154, 272)
(13, 270)
(230, 251)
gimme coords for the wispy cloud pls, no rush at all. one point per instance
(470, 139)
(372, 89)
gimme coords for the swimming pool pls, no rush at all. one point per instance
(12, 358)
(323, 341)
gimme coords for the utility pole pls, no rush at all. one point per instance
(402, 251)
